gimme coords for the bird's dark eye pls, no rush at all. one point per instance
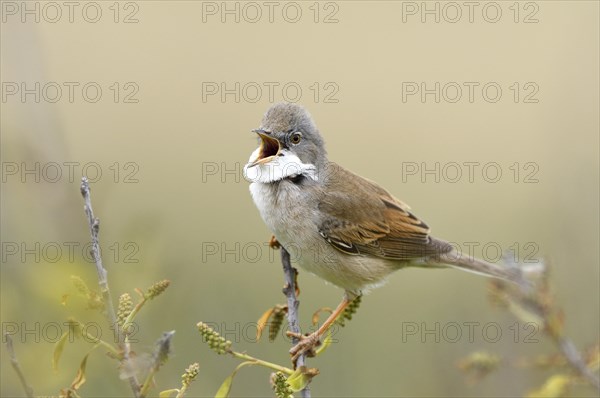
(296, 138)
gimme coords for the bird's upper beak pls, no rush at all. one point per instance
(270, 148)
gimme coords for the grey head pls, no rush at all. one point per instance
(288, 128)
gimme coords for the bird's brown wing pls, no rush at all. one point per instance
(360, 217)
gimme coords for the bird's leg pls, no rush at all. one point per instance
(307, 343)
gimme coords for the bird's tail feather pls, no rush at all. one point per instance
(461, 261)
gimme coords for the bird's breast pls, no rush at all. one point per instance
(282, 206)
(291, 214)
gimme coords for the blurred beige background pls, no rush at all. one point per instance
(167, 194)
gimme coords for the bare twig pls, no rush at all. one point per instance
(289, 290)
(536, 299)
(94, 224)
(15, 364)
(574, 357)
(548, 310)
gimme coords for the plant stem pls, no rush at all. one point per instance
(574, 357)
(266, 364)
(103, 343)
(181, 392)
(15, 364)
(94, 225)
(289, 290)
(148, 382)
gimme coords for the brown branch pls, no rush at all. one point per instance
(15, 364)
(94, 224)
(289, 290)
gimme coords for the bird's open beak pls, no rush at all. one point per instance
(269, 148)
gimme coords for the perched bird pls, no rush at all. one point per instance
(342, 227)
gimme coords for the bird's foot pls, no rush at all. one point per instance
(273, 243)
(306, 345)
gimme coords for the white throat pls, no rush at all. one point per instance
(285, 165)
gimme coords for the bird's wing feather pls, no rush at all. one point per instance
(360, 217)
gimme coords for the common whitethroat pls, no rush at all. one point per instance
(342, 227)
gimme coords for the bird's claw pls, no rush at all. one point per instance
(306, 345)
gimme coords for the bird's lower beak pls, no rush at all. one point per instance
(269, 149)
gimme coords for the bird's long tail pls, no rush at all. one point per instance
(464, 262)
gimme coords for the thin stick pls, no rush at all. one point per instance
(574, 357)
(266, 364)
(94, 224)
(289, 290)
(534, 297)
(15, 364)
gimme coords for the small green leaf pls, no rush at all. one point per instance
(326, 343)
(168, 393)
(226, 386)
(58, 350)
(299, 379)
